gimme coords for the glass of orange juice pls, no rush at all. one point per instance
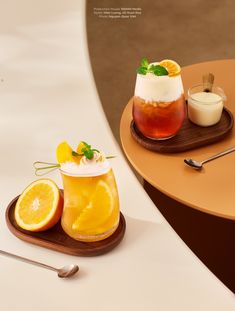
(91, 203)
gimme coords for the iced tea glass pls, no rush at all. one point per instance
(91, 206)
(159, 106)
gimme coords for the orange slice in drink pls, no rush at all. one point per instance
(171, 66)
(98, 211)
(40, 206)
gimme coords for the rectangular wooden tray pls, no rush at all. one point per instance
(57, 240)
(189, 137)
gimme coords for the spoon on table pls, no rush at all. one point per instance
(198, 165)
(63, 272)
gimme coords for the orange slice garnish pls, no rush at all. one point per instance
(80, 146)
(64, 153)
(40, 206)
(171, 66)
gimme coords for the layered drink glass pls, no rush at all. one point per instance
(91, 203)
(158, 105)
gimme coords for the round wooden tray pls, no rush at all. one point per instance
(189, 137)
(57, 240)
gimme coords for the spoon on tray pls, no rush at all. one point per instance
(198, 165)
(64, 272)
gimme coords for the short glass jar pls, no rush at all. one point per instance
(205, 108)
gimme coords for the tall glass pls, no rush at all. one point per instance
(91, 206)
(159, 105)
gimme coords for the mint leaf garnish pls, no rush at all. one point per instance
(157, 70)
(144, 63)
(88, 153)
(142, 70)
(160, 70)
(86, 144)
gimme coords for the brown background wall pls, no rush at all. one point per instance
(186, 31)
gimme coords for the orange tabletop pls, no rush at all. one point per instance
(210, 190)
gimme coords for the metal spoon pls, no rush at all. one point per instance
(63, 272)
(198, 165)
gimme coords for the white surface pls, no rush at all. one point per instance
(47, 96)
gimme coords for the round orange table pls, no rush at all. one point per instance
(210, 190)
(199, 205)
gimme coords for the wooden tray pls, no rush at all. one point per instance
(189, 137)
(57, 240)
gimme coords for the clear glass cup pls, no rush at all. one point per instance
(91, 206)
(205, 108)
(159, 105)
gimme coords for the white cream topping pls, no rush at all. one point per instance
(158, 88)
(87, 168)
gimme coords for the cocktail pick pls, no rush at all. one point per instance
(43, 168)
(208, 80)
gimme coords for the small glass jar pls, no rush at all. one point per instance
(205, 108)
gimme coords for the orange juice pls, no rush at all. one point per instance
(91, 204)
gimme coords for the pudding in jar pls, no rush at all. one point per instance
(205, 108)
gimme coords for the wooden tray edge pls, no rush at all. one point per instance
(169, 150)
(64, 249)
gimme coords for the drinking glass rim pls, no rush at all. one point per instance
(84, 175)
(223, 97)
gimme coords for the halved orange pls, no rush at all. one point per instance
(98, 210)
(40, 206)
(171, 66)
